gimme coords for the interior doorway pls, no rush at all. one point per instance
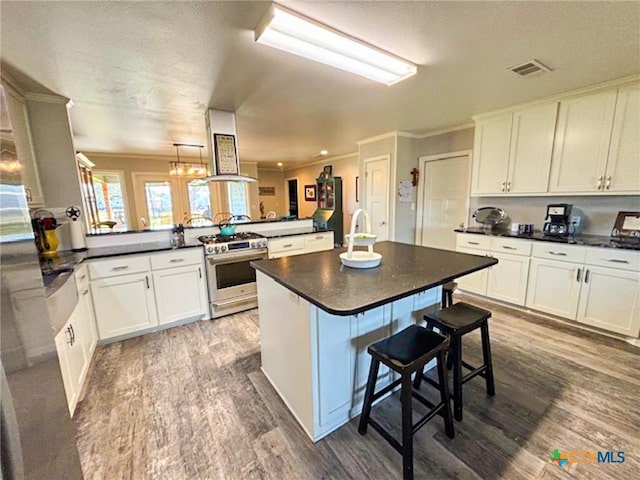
(292, 196)
(443, 198)
(377, 183)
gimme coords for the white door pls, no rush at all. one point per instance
(180, 293)
(610, 299)
(582, 143)
(554, 287)
(157, 198)
(442, 200)
(623, 169)
(377, 180)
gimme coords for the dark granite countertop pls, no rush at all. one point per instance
(582, 240)
(405, 270)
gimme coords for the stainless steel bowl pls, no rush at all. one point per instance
(489, 216)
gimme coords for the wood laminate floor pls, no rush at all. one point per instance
(191, 403)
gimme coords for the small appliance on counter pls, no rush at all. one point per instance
(559, 220)
(626, 229)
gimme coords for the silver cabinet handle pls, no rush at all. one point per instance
(508, 186)
(559, 254)
(73, 334)
(507, 247)
(384, 222)
(319, 238)
(615, 260)
(85, 292)
(82, 277)
(599, 185)
(200, 272)
(67, 334)
(586, 276)
(579, 275)
(117, 269)
(288, 245)
(608, 184)
(503, 186)
(29, 193)
(473, 243)
(176, 260)
(146, 277)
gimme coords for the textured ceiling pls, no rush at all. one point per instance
(142, 74)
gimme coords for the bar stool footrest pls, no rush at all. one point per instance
(386, 389)
(392, 441)
(480, 371)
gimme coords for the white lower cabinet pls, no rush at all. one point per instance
(299, 244)
(136, 293)
(507, 280)
(610, 299)
(124, 304)
(180, 293)
(554, 287)
(474, 282)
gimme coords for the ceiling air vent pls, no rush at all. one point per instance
(528, 69)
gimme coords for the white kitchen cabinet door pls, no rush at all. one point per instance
(623, 168)
(180, 293)
(582, 143)
(72, 357)
(610, 299)
(491, 155)
(507, 280)
(123, 304)
(532, 137)
(554, 287)
(474, 282)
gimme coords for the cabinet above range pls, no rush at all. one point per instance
(583, 143)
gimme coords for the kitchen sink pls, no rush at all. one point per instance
(62, 296)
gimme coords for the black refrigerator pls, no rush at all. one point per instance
(37, 436)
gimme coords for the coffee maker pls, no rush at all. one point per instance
(558, 220)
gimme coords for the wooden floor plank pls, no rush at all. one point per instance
(191, 403)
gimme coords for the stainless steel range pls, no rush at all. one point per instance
(231, 279)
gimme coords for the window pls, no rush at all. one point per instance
(110, 198)
(237, 194)
(159, 202)
(199, 200)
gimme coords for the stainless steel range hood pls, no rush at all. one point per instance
(223, 147)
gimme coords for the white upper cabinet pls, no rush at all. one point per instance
(491, 157)
(623, 167)
(582, 143)
(513, 151)
(531, 147)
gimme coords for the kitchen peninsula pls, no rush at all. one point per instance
(318, 317)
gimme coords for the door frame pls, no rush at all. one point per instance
(128, 208)
(422, 165)
(390, 197)
(286, 193)
(141, 200)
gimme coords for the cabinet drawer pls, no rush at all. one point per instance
(609, 257)
(318, 242)
(124, 265)
(176, 258)
(467, 240)
(286, 244)
(564, 253)
(511, 245)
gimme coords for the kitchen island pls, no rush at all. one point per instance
(317, 319)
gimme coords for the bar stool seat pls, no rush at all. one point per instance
(407, 352)
(456, 321)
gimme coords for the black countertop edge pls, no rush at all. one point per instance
(282, 235)
(168, 228)
(600, 241)
(258, 265)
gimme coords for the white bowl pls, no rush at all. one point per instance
(361, 259)
(362, 239)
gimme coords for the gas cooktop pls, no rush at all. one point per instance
(243, 241)
(229, 238)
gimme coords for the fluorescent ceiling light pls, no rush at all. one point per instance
(289, 31)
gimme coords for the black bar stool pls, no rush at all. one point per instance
(407, 352)
(447, 293)
(456, 321)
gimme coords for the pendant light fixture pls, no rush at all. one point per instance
(179, 168)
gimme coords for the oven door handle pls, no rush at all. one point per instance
(233, 258)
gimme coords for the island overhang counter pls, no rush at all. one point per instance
(317, 319)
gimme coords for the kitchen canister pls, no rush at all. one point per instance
(76, 228)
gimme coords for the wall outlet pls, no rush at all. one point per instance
(575, 220)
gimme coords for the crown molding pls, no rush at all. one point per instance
(442, 131)
(9, 83)
(320, 162)
(41, 97)
(377, 138)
